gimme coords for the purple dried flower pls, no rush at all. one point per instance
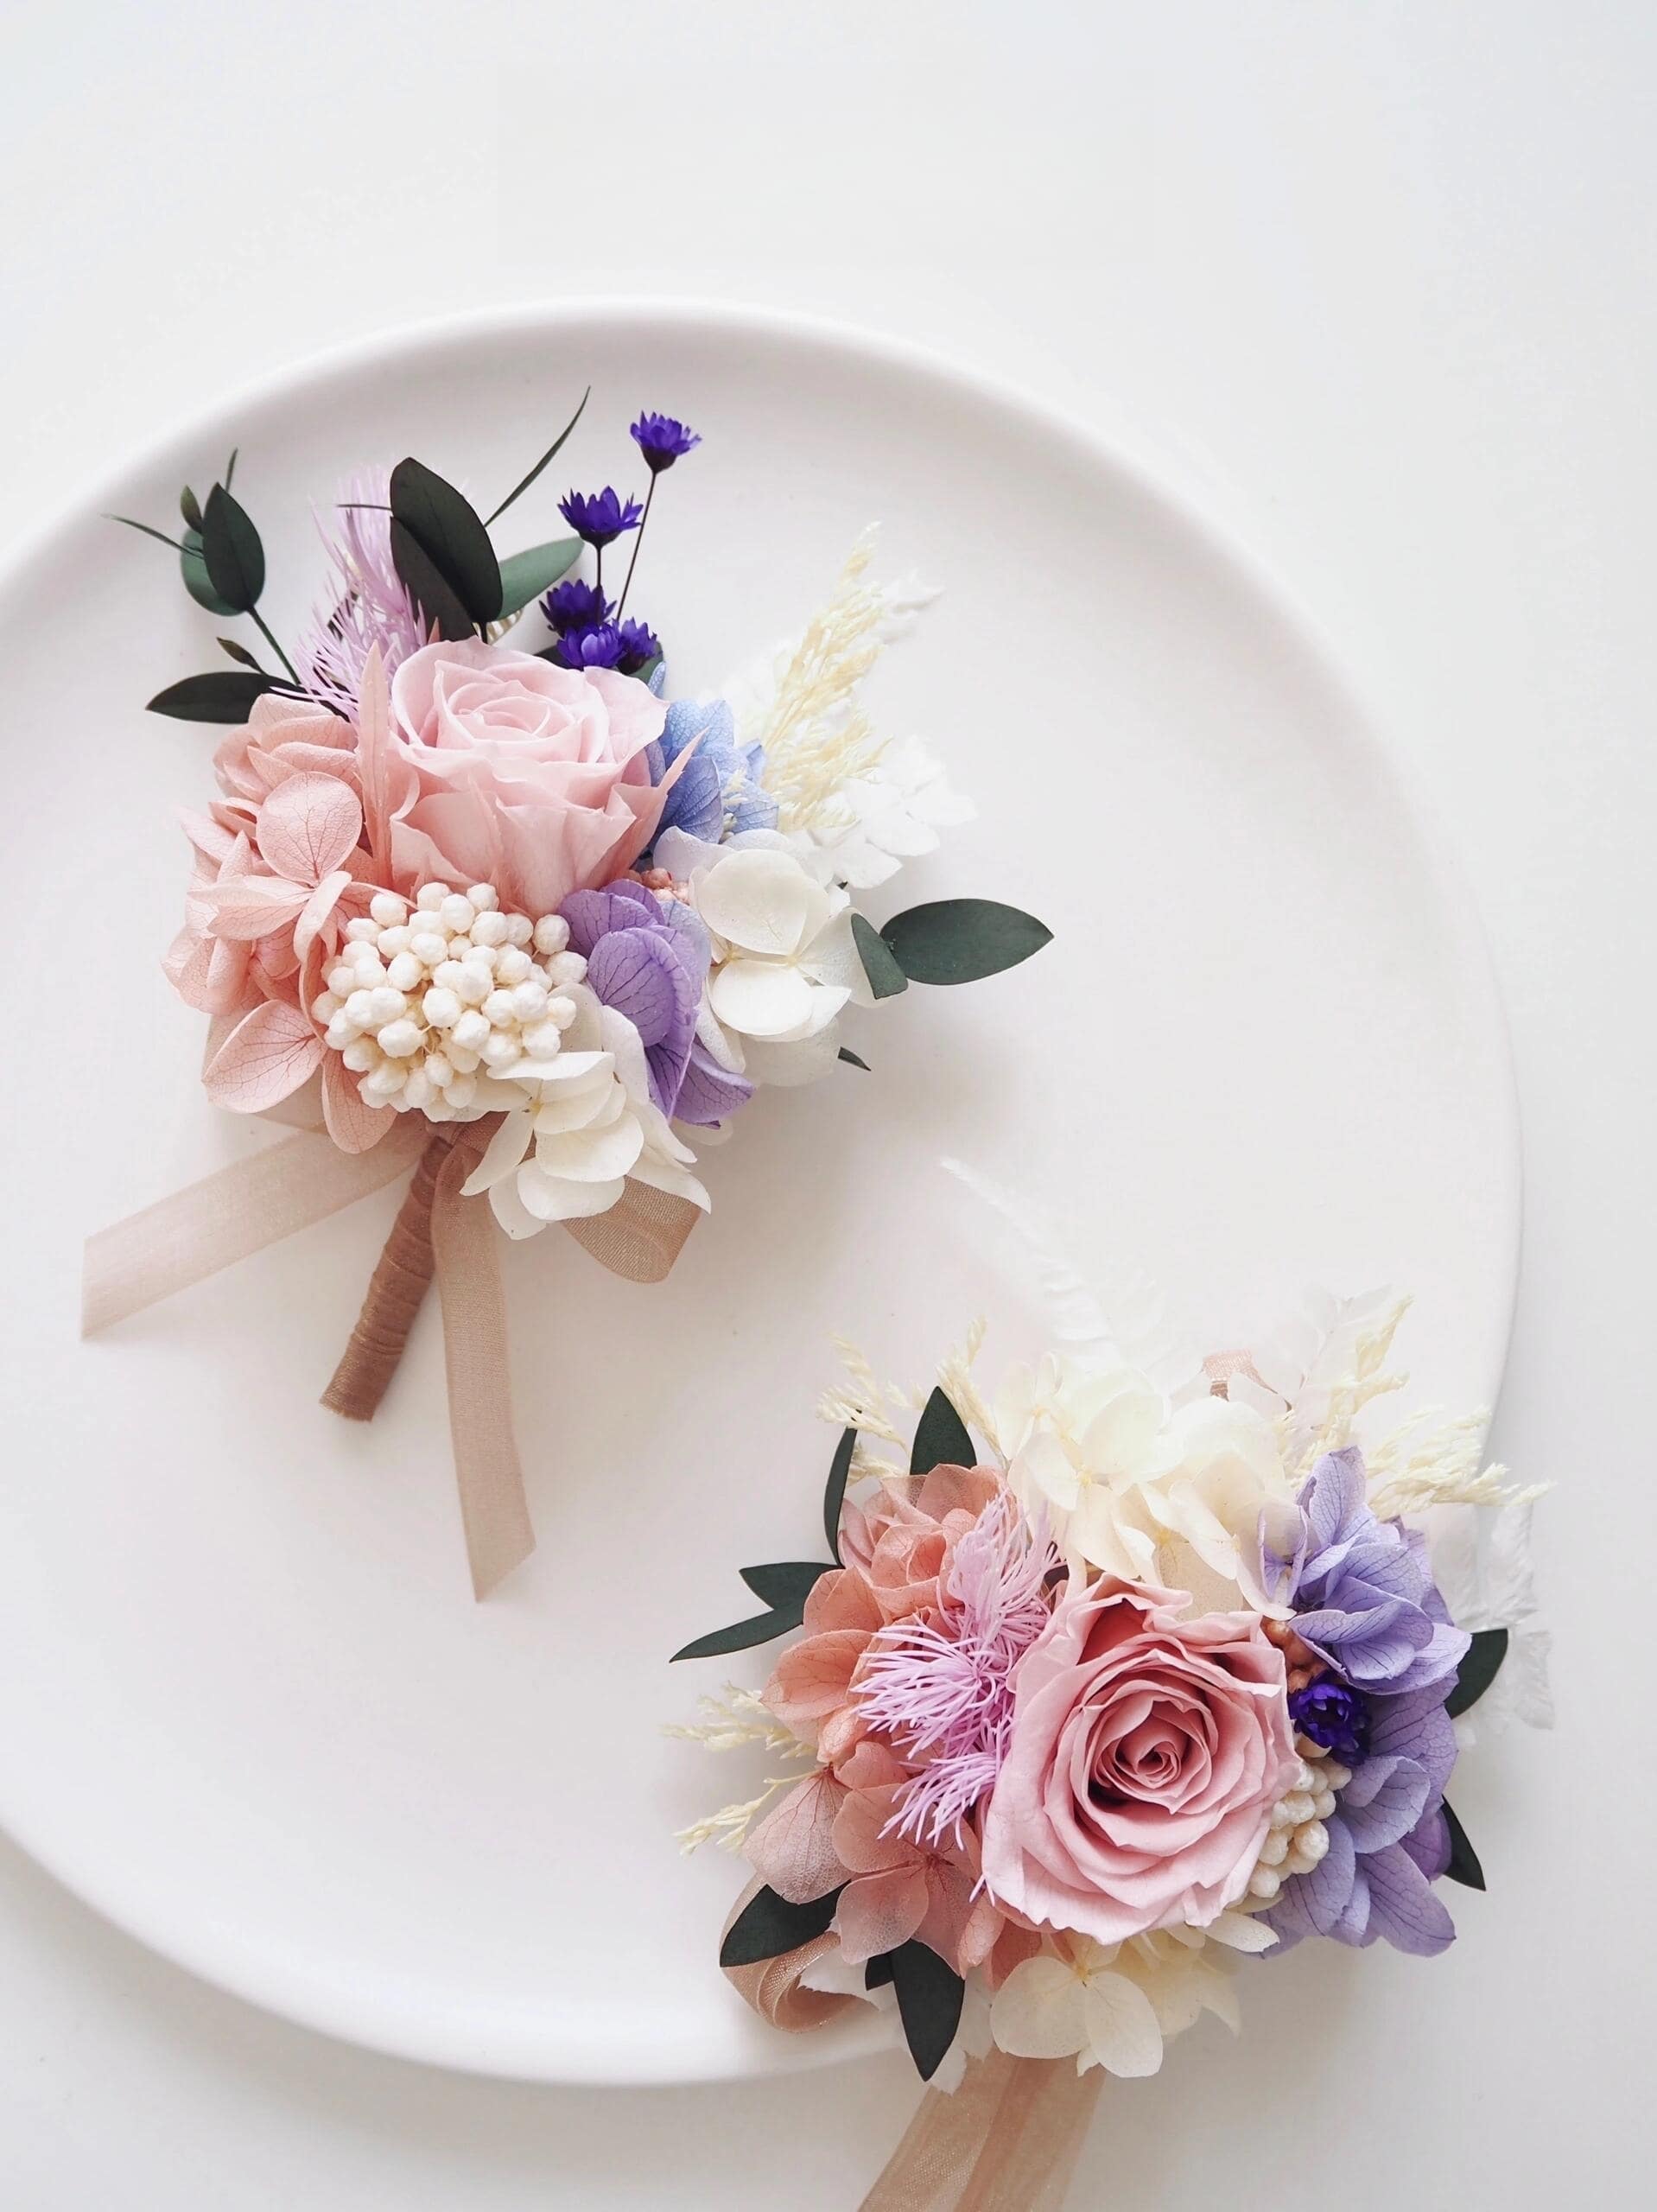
(639, 644)
(943, 1689)
(647, 960)
(1332, 1714)
(575, 605)
(601, 646)
(600, 517)
(663, 438)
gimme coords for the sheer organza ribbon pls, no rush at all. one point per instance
(438, 1233)
(1005, 2140)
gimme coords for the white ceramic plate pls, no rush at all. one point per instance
(247, 1707)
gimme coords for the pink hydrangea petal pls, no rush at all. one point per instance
(268, 1054)
(793, 1849)
(308, 825)
(878, 1912)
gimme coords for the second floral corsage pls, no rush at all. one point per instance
(504, 914)
(1112, 1679)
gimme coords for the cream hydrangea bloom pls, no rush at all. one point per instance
(586, 1124)
(1114, 2004)
(1142, 1488)
(784, 962)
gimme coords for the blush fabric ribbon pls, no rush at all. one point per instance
(1005, 2140)
(438, 1234)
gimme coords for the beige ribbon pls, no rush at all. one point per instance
(227, 1216)
(1005, 2140)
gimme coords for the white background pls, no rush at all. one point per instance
(1374, 282)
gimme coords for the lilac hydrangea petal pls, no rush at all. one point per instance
(709, 1093)
(1353, 1926)
(1325, 1891)
(635, 973)
(1428, 1844)
(620, 906)
(1403, 1907)
(1418, 1728)
(1289, 1919)
(1334, 1499)
(1382, 1803)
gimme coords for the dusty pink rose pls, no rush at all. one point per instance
(902, 1542)
(1146, 1754)
(529, 777)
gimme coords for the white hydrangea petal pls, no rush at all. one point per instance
(761, 998)
(1122, 2032)
(512, 1213)
(553, 1198)
(1044, 1463)
(1239, 1931)
(1039, 2010)
(832, 957)
(761, 900)
(503, 1156)
(591, 1155)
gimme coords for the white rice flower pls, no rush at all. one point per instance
(588, 1124)
(1139, 1486)
(784, 960)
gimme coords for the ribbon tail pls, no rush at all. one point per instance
(1007, 2141)
(493, 1509)
(642, 1235)
(227, 1216)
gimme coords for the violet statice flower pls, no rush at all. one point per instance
(647, 958)
(721, 791)
(367, 604)
(600, 516)
(574, 605)
(943, 1689)
(663, 438)
(1389, 1839)
(1362, 1589)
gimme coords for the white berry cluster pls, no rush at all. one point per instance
(1298, 1840)
(425, 1006)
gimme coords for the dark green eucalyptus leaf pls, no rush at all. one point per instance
(785, 1583)
(1478, 1669)
(160, 536)
(768, 1925)
(225, 694)
(1464, 1866)
(444, 612)
(240, 654)
(551, 453)
(960, 940)
(197, 583)
(885, 977)
(190, 507)
(852, 1060)
(877, 1974)
(930, 1994)
(524, 576)
(449, 533)
(231, 550)
(230, 466)
(941, 1438)
(834, 1497)
(743, 1635)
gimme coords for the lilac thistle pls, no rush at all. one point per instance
(943, 1689)
(663, 438)
(367, 606)
(574, 605)
(600, 517)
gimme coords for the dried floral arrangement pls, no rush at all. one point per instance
(506, 918)
(1138, 1666)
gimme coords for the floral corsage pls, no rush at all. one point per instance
(1112, 1679)
(506, 915)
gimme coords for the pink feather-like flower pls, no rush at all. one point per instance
(368, 604)
(941, 1689)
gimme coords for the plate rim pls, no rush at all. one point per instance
(472, 2049)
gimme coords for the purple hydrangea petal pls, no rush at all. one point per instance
(1325, 1891)
(1335, 1499)
(1353, 1926)
(623, 905)
(640, 973)
(710, 1093)
(1403, 1906)
(1428, 1844)
(1382, 1803)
